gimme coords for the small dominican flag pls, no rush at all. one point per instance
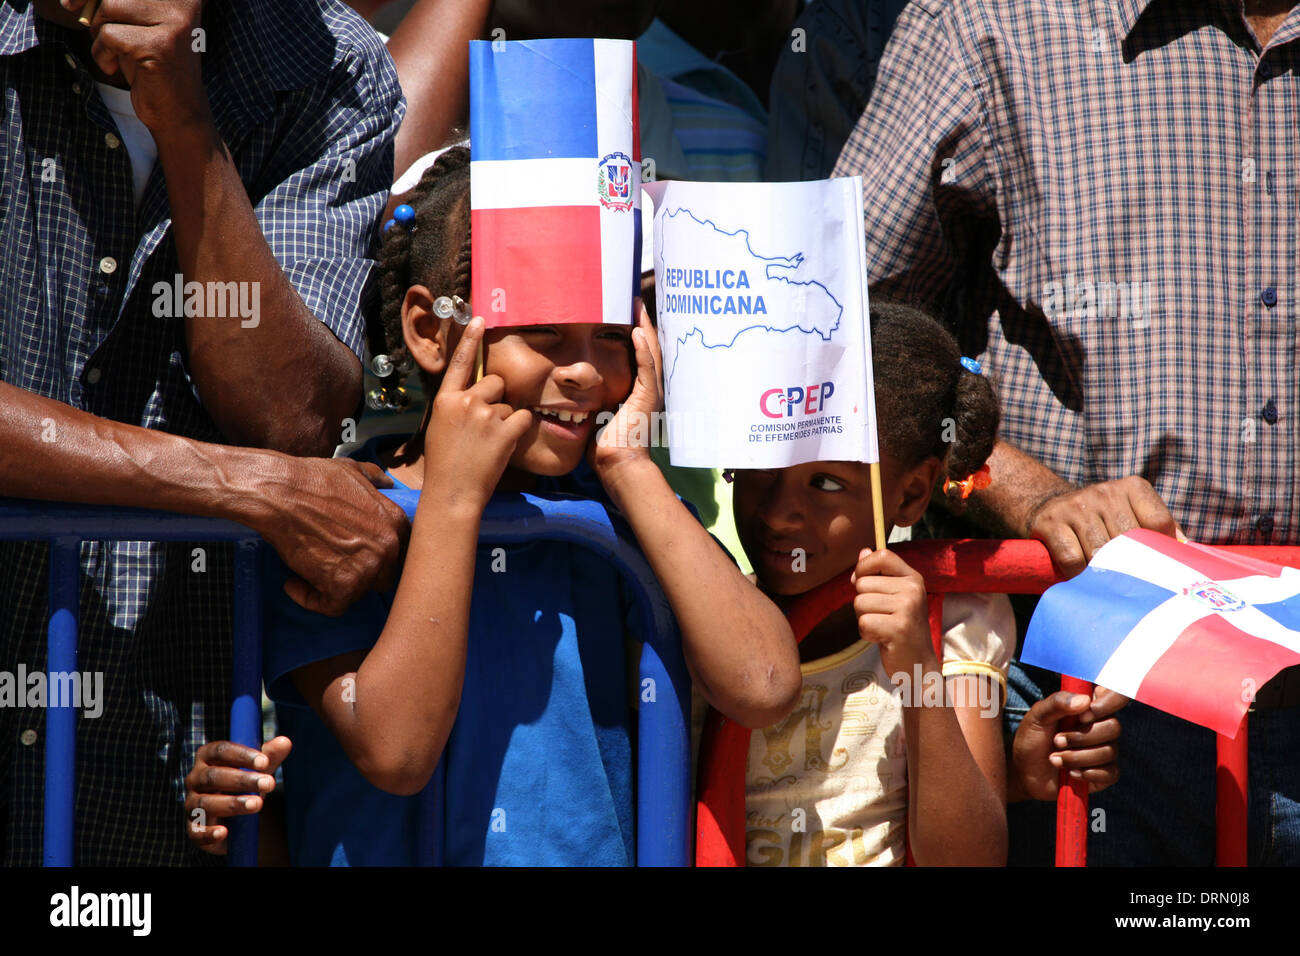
(555, 181)
(1188, 629)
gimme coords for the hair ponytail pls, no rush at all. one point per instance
(432, 249)
(928, 403)
(976, 417)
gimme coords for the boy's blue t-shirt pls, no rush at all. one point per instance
(539, 762)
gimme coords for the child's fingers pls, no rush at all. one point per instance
(490, 389)
(1051, 710)
(1099, 778)
(227, 753)
(646, 370)
(461, 367)
(207, 778)
(219, 805)
(276, 750)
(210, 839)
(895, 588)
(883, 563)
(875, 603)
(1082, 759)
(518, 423)
(1091, 735)
(652, 344)
(1106, 702)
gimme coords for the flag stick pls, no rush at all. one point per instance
(1230, 807)
(878, 506)
(479, 360)
(1072, 798)
(88, 12)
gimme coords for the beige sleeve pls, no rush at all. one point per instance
(979, 635)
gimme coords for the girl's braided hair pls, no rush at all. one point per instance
(431, 249)
(927, 402)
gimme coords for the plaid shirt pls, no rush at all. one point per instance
(307, 101)
(1099, 195)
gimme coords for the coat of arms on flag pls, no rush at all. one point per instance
(555, 181)
(1186, 628)
(614, 184)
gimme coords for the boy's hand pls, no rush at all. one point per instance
(472, 432)
(892, 612)
(151, 44)
(1040, 750)
(227, 781)
(627, 436)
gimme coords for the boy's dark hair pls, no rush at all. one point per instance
(431, 250)
(924, 394)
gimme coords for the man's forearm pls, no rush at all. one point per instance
(431, 52)
(54, 452)
(1020, 484)
(246, 364)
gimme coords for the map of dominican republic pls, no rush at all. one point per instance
(750, 293)
(760, 297)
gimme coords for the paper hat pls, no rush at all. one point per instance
(555, 181)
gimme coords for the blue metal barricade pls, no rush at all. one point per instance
(663, 752)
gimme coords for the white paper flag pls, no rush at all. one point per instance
(761, 295)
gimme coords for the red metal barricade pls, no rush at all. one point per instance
(952, 567)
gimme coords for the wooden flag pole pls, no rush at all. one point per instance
(88, 12)
(877, 494)
(878, 506)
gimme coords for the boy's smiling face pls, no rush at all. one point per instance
(824, 509)
(572, 371)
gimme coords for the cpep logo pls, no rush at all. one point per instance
(786, 402)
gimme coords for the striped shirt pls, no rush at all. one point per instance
(1099, 195)
(699, 121)
(307, 101)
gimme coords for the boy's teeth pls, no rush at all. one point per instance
(563, 415)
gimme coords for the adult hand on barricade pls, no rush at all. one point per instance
(152, 45)
(1041, 749)
(1074, 524)
(228, 780)
(330, 525)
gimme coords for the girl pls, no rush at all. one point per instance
(540, 731)
(867, 756)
